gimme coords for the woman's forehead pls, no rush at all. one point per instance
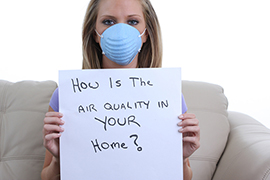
(120, 8)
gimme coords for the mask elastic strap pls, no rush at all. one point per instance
(101, 37)
(139, 50)
(98, 34)
(142, 33)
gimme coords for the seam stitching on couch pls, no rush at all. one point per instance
(18, 158)
(250, 124)
(8, 112)
(266, 175)
(194, 158)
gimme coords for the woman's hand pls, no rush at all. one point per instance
(52, 132)
(191, 134)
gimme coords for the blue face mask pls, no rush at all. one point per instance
(121, 43)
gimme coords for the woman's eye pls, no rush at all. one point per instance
(108, 22)
(133, 22)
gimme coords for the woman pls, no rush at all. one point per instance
(117, 34)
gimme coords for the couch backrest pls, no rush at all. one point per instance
(209, 104)
(22, 109)
(24, 104)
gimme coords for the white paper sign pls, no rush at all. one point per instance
(121, 124)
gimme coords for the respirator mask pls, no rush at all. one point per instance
(121, 43)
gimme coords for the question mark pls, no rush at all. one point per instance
(135, 141)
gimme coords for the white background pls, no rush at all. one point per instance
(221, 42)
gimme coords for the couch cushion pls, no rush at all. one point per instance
(22, 109)
(209, 104)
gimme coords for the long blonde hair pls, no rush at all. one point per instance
(151, 52)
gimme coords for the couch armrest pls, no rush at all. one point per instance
(247, 153)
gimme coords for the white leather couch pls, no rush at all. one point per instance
(234, 146)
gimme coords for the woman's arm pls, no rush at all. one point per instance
(51, 134)
(191, 140)
(51, 168)
(187, 170)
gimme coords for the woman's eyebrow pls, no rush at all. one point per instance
(131, 15)
(113, 17)
(108, 16)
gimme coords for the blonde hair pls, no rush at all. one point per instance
(151, 52)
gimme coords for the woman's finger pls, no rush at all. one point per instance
(187, 116)
(52, 128)
(189, 122)
(53, 120)
(50, 137)
(190, 129)
(54, 114)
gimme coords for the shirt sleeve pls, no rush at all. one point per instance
(54, 103)
(184, 105)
